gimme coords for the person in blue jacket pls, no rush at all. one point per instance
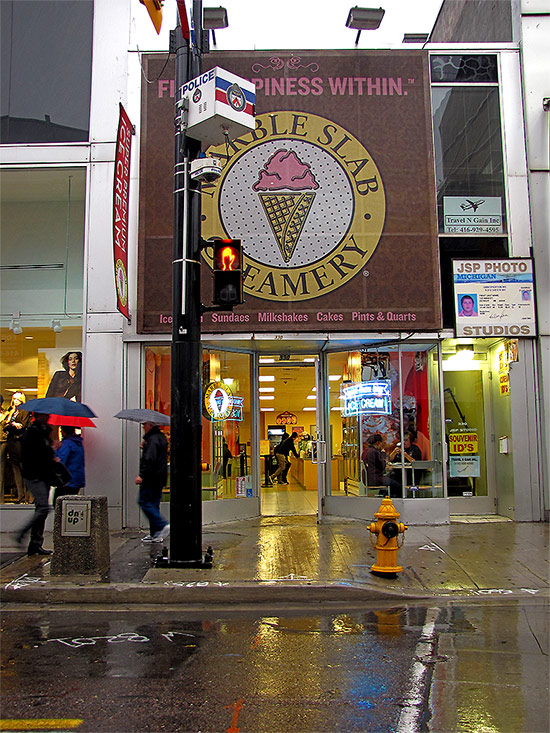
(71, 454)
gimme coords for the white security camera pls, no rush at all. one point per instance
(206, 170)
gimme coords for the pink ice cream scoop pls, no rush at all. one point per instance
(284, 170)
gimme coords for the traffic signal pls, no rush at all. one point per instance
(154, 8)
(228, 275)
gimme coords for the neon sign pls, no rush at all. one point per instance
(367, 398)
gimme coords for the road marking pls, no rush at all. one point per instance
(22, 582)
(236, 710)
(432, 547)
(40, 724)
(409, 719)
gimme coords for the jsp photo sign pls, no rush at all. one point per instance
(76, 519)
(494, 297)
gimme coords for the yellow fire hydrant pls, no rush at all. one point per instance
(387, 532)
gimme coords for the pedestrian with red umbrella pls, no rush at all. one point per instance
(71, 453)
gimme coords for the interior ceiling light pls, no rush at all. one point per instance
(267, 409)
(15, 326)
(309, 409)
(311, 397)
(266, 360)
(266, 397)
(266, 389)
(334, 377)
(267, 378)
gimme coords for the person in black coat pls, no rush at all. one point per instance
(281, 452)
(153, 474)
(37, 459)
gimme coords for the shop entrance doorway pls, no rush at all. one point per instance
(288, 405)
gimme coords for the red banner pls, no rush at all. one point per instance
(120, 210)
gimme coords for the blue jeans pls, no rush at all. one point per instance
(40, 492)
(149, 501)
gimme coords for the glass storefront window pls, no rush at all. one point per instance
(42, 246)
(41, 296)
(465, 68)
(38, 362)
(468, 159)
(386, 418)
(226, 459)
(46, 62)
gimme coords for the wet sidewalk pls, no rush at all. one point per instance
(294, 560)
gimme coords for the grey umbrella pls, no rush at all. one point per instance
(141, 414)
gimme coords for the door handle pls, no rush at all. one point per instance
(319, 451)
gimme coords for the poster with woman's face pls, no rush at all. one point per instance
(60, 373)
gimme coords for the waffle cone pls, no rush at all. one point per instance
(287, 214)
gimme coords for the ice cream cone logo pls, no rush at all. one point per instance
(288, 209)
(218, 401)
(307, 201)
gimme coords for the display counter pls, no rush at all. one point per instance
(304, 472)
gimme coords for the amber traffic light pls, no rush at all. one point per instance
(228, 276)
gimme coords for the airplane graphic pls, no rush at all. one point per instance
(472, 205)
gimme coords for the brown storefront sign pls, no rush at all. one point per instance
(332, 196)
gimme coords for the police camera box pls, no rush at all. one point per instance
(219, 102)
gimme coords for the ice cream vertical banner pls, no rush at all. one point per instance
(120, 209)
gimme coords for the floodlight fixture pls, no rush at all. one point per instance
(364, 19)
(214, 18)
(415, 37)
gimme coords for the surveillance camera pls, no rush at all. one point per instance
(206, 170)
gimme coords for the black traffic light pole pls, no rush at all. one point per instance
(186, 356)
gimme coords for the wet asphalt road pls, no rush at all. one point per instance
(480, 667)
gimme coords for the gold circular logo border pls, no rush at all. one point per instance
(224, 388)
(369, 203)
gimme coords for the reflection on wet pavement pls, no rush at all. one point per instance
(481, 668)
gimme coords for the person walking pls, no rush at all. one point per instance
(37, 458)
(71, 454)
(281, 452)
(153, 474)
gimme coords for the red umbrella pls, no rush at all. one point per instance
(74, 421)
